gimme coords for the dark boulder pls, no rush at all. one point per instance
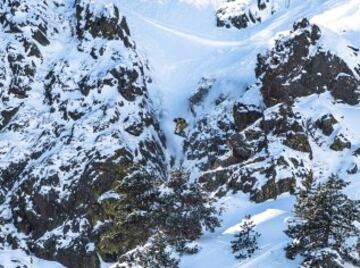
(326, 124)
(206, 142)
(39, 36)
(346, 88)
(273, 189)
(126, 83)
(282, 121)
(245, 115)
(22, 74)
(353, 170)
(211, 181)
(357, 152)
(7, 115)
(298, 142)
(78, 254)
(340, 143)
(240, 148)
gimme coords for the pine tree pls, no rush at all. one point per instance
(186, 210)
(147, 205)
(134, 215)
(246, 241)
(323, 223)
(155, 254)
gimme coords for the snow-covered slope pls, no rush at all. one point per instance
(184, 45)
(74, 110)
(86, 98)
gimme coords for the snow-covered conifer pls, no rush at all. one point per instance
(246, 241)
(323, 224)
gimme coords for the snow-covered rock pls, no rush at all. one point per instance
(268, 149)
(82, 104)
(74, 109)
(243, 13)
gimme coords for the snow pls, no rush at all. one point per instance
(189, 36)
(270, 218)
(256, 219)
(344, 20)
(178, 54)
(108, 195)
(182, 44)
(18, 258)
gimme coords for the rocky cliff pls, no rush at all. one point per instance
(75, 111)
(264, 143)
(79, 124)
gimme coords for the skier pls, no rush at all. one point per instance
(180, 126)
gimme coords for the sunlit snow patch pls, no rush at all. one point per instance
(18, 258)
(257, 219)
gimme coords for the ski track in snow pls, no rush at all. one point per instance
(181, 50)
(179, 57)
(190, 36)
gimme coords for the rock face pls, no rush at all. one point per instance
(242, 14)
(69, 132)
(200, 95)
(208, 140)
(290, 70)
(326, 124)
(108, 24)
(67, 128)
(340, 143)
(245, 115)
(267, 148)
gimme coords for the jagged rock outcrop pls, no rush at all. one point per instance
(245, 115)
(299, 67)
(270, 147)
(108, 24)
(66, 128)
(242, 14)
(326, 124)
(340, 143)
(208, 141)
(205, 86)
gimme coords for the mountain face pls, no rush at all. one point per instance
(74, 109)
(270, 92)
(242, 14)
(269, 147)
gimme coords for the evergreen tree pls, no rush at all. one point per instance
(246, 241)
(186, 210)
(147, 205)
(134, 215)
(323, 224)
(155, 254)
